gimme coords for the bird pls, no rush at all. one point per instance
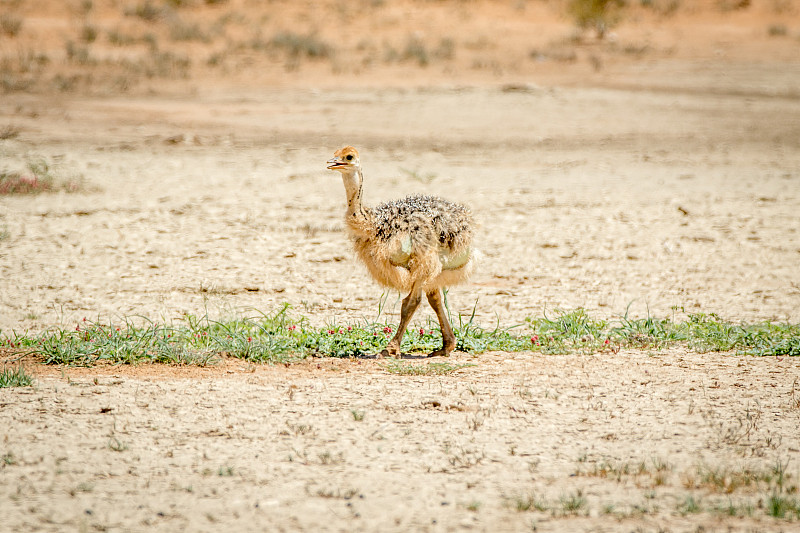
(419, 244)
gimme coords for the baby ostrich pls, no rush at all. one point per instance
(419, 244)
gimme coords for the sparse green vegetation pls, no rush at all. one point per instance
(117, 445)
(281, 337)
(777, 30)
(662, 7)
(462, 458)
(652, 473)
(145, 10)
(783, 506)
(576, 331)
(10, 24)
(689, 505)
(416, 50)
(88, 33)
(598, 15)
(530, 502)
(732, 491)
(573, 503)
(428, 369)
(183, 31)
(78, 55)
(15, 377)
(38, 178)
(337, 493)
(297, 46)
(118, 38)
(172, 23)
(9, 131)
(732, 5)
(723, 479)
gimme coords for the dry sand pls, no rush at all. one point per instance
(278, 449)
(666, 185)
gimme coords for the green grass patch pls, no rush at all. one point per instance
(282, 336)
(10, 377)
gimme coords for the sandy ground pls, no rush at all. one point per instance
(667, 184)
(592, 197)
(279, 449)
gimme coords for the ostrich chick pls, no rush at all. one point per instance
(419, 244)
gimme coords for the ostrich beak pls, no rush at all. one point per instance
(335, 163)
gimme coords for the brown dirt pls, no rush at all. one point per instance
(656, 169)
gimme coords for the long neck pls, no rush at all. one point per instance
(353, 182)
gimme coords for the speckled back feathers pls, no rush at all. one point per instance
(425, 217)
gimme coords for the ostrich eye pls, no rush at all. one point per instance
(349, 157)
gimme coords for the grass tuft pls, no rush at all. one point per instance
(17, 183)
(530, 501)
(302, 45)
(10, 24)
(38, 178)
(573, 504)
(296, 47)
(689, 506)
(783, 506)
(146, 11)
(599, 15)
(10, 377)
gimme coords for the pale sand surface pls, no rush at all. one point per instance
(271, 448)
(600, 198)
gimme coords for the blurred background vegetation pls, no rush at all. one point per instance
(119, 46)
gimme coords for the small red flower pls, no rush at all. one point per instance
(607, 341)
(387, 329)
(249, 339)
(422, 331)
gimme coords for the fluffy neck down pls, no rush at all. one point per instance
(359, 218)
